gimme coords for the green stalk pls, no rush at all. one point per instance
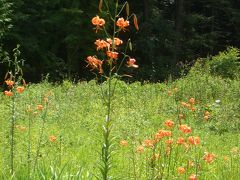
(106, 151)
(29, 147)
(12, 131)
(40, 139)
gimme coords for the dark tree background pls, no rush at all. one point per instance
(57, 35)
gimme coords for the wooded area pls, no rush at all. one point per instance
(56, 35)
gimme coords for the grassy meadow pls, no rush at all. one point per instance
(58, 130)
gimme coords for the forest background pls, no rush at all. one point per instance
(56, 35)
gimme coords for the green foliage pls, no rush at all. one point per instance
(75, 114)
(5, 20)
(226, 64)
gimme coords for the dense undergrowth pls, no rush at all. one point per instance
(70, 144)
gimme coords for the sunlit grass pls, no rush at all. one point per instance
(75, 115)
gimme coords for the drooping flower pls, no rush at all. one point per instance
(132, 63)
(20, 89)
(162, 133)
(209, 157)
(52, 138)
(181, 170)
(206, 113)
(180, 140)
(8, 93)
(97, 21)
(40, 107)
(122, 24)
(185, 129)
(117, 41)
(206, 118)
(194, 140)
(169, 142)
(123, 143)
(101, 44)
(149, 143)
(112, 54)
(140, 149)
(95, 63)
(169, 123)
(9, 83)
(193, 177)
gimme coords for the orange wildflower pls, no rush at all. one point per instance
(8, 93)
(101, 44)
(206, 118)
(39, 107)
(169, 123)
(181, 170)
(95, 63)
(207, 113)
(132, 63)
(194, 140)
(169, 142)
(9, 82)
(209, 157)
(99, 22)
(163, 133)
(193, 177)
(117, 41)
(140, 149)
(112, 54)
(183, 104)
(122, 24)
(185, 129)
(123, 143)
(192, 101)
(180, 140)
(193, 109)
(20, 89)
(52, 138)
(186, 105)
(149, 143)
(226, 158)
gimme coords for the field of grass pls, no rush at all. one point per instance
(63, 140)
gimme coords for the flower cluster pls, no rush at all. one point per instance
(109, 46)
(10, 85)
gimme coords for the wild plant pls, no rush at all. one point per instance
(111, 50)
(15, 85)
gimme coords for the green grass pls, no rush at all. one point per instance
(76, 114)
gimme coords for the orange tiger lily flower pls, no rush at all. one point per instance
(20, 89)
(8, 93)
(95, 63)
(122, 24)
(112, 54)
(9, 82)
(132, 63)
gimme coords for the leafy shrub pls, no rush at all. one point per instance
(225, 64)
